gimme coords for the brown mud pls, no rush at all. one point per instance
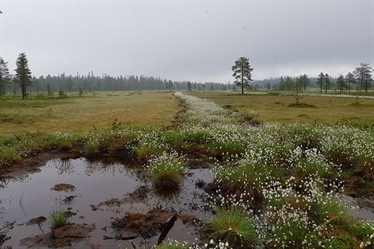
(63, 187)
(32, 164)
(156, 221)
(61, 237)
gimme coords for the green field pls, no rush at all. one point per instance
(271, 109)
(80, 114)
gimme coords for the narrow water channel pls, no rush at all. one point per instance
(90, 201)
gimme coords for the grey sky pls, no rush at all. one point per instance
(188, 40)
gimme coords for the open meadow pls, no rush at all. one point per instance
(188, 172)
(79, 114)
(100, 110)
(268, 108)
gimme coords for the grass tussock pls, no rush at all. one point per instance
(166, 170)
(233, 226)
(58, 219)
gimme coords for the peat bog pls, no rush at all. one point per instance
(293, 185)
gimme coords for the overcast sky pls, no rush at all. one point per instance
(188, 40)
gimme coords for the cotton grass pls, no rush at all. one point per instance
(293, 168)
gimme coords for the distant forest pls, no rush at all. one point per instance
(360, 79)
(63, 84)
(91, 83)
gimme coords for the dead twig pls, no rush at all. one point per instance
(120, 237)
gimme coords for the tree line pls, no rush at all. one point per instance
(62, 84)
(23, 82)
(360, 79)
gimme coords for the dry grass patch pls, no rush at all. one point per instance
(79, 114)
(326, 110)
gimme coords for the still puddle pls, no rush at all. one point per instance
(101, 193)
(362, 207)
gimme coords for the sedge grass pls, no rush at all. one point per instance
(233, 226)
(58, 219)
(80, 114)
(166, 170)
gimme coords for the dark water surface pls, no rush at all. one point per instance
(95, 182)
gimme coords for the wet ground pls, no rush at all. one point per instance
(98, 196)
(110, 204)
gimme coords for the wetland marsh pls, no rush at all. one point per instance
(287, 180)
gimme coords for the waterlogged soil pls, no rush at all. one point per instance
(110, 204)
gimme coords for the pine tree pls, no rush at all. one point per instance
(189, 86)
(23, 73)
(327, 82)
(321, 80)
(340, 82)
(350, 79)
(298, 89)
(304, 81)
(289, 83)
(281, 85)
(242, 72)
(363, 75)
(4, 76)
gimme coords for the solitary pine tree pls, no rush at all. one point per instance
(23, 73)
(4, 75)
(363, 75)
(242, 72)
